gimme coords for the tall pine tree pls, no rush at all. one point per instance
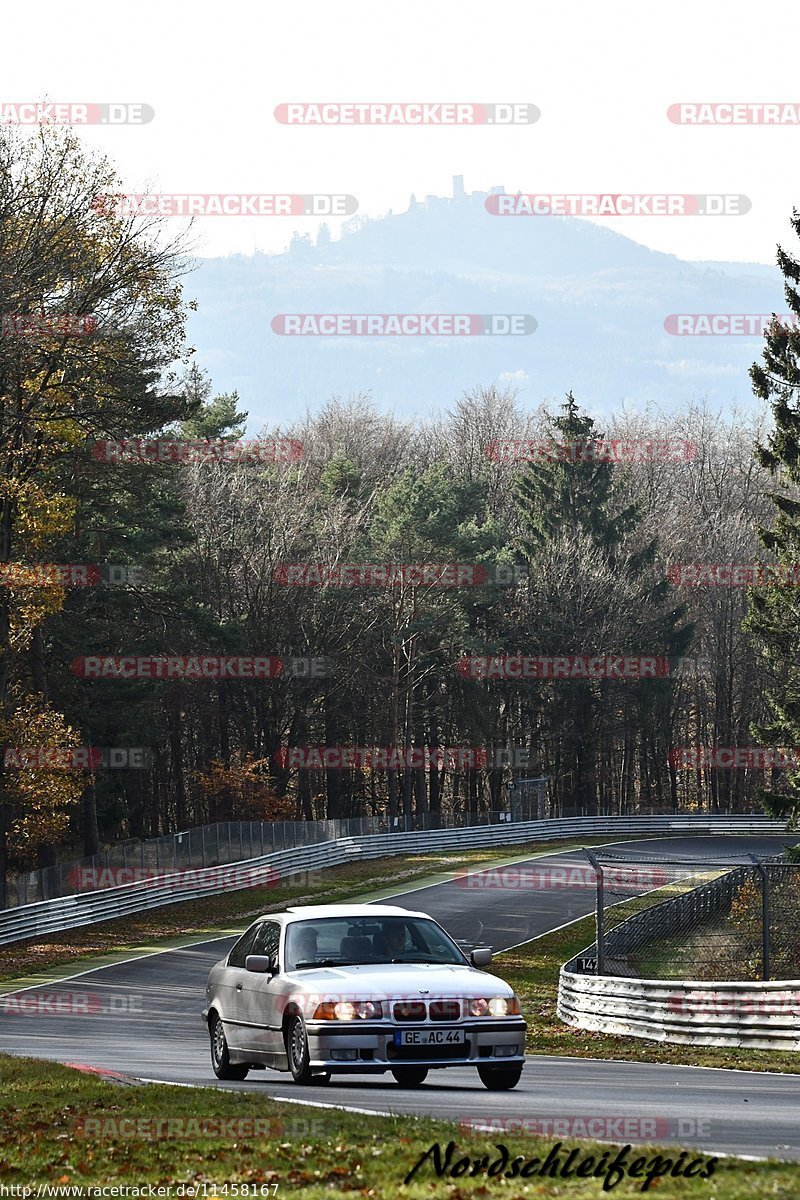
(774, 615)
(593, 591)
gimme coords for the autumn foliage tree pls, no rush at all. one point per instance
(91, 316)
(39, 801)
(242, 791)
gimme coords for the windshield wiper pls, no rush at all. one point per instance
(325, 962)
(418, 958)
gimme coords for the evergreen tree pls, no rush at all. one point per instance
(136, 514)
(774, 616)
(213, 418)
(592, 592)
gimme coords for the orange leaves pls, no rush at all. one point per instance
(243, 790)
(41, 800)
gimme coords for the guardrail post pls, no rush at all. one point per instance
(600, 932)
(203, 844)
(765, 917)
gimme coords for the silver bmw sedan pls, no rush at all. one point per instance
(354, 988)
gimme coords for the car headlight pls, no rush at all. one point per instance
(348, 1010)
(494, 1006)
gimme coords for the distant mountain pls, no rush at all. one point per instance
(600, 301)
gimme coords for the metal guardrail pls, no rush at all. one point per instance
(763, 1015)
(89, 908)
(233, 841)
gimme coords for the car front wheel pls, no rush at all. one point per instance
(410, 1076)
(220, 1057)
(297, 1054)
(500, 1079)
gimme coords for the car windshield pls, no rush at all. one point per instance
(346, 941)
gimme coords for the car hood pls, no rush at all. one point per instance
(393, 980)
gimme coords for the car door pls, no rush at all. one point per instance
(230, 989)
(259, 998)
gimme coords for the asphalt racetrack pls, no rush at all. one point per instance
(142, 1018)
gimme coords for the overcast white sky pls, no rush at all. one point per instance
(603, 76)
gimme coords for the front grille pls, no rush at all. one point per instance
(432, 1053)
(413, 1010)
(445, 1010)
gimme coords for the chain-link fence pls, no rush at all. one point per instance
(732, 918)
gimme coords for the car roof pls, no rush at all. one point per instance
(304, 912)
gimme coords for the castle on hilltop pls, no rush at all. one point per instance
(459, 195)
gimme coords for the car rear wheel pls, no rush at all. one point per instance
(220, 1057)
(410, 1076)
(297, 1054)
(500, 1079)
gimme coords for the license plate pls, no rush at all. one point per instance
(429, 1037)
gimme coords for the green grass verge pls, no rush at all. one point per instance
(61, 1129)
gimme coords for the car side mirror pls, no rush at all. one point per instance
(481, 957)
(262, 964)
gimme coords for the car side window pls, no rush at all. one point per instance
(243, 947)
(267, 938)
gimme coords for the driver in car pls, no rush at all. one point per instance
(391, 941)
(305, 946)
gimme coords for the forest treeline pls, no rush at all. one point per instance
(571, 558)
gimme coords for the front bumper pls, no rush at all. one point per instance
(368, 1046)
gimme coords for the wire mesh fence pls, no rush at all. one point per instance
(731, 918)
